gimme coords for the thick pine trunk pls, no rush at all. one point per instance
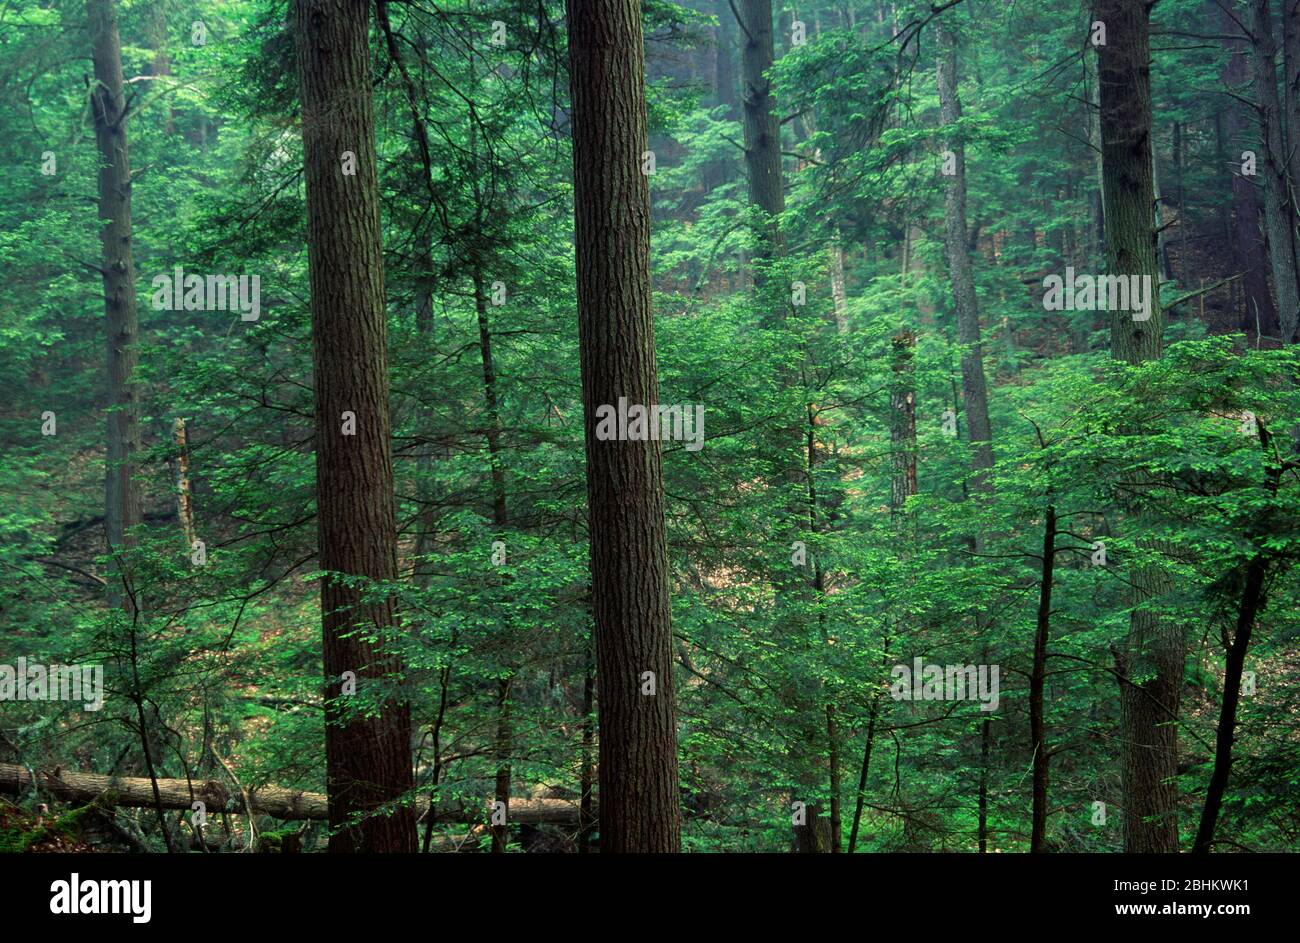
(639, 805)
(123, 507)
(762, 131)
(956, 242)
(1153, 650)
(368, 758)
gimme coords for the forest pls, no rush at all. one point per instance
(614, 426)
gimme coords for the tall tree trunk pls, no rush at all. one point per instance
(982, 791)
(762, 134)
(639, 805)
(956, 236)
(1097, 203)
(1279, 208)
(1153, 649)
(974, 384)
(832, 830)
(1247, 241)
(504, 734)
(902, 485)
(587, 773)
(1291, 101)
(718, 172)
(762, 131)
(367, 754)
(123, 507)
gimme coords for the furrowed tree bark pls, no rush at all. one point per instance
(123, 507)
(639, 804)
(762, 131)
(956, 243)
(1150, 662)
(1279, 208)
(368, 759)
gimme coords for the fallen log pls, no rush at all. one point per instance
(275, 801)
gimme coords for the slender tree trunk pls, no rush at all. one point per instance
(1279, 208)
(504, 733)
(902, 485)
(762, 140)
(902, 423)
(184, 500)
(123, 508)
(1097, 203)
(839, 296)
(368, 753)
(1037, 682)
(956, 236)
(639, 804)
(587, 773)
(502, 747)
(1252, 603)
(982, 801)
(719, 172)
(974, 384)
(1154, 647)
(872, 713)
(1162, 243)
(833, 828)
